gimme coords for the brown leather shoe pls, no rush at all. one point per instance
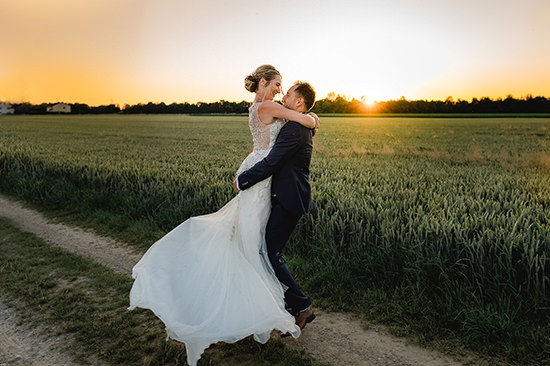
(304, 317)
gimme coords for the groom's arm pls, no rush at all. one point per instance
(287, 144)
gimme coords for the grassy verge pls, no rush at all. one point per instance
(51, 286)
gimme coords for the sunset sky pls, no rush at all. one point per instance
(136, 51)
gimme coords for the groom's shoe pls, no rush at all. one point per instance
(304, 317)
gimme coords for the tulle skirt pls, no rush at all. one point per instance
(209, 279)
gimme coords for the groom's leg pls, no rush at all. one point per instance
(280, 225)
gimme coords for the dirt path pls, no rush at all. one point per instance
(22, 345)
(334, 338)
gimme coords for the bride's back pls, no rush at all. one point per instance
(263, 136)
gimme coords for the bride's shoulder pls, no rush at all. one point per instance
(254, 105)
(267, 111)
(267, 105)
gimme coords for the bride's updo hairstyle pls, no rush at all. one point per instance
(266, 72)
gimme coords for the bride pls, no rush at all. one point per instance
(209, 279)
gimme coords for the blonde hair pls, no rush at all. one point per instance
(266, 72)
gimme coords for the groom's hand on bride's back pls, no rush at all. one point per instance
(235, 186)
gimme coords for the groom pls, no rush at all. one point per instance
(288, 163)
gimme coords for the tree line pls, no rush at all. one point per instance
(341, 104)
(331, 104)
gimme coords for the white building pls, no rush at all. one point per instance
(59, 108)
(6, 108)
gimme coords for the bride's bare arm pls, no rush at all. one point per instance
(269, 111)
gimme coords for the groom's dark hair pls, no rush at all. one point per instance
(306, 91)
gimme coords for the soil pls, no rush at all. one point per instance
(333, 338)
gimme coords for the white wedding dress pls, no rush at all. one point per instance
(209, 279)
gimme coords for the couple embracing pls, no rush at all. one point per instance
(222, 276)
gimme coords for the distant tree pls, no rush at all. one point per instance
(105, 109)
(79, 108)
(28, 108)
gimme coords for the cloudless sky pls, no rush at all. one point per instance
(136, 51)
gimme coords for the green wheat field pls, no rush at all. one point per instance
(438, 227)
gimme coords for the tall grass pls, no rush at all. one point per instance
(441, 226)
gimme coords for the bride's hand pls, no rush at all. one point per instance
(317, 122)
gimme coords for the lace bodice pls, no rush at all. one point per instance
(263, 136)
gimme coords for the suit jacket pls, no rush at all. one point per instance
(288, 162)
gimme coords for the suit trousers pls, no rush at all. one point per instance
(279, 227)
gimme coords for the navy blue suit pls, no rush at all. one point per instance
(288, 165)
